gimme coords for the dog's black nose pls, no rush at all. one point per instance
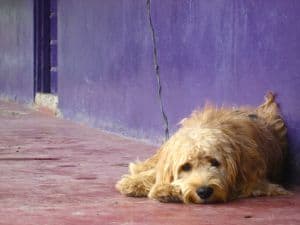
(204, 192)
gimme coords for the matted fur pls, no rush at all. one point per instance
(235, 152)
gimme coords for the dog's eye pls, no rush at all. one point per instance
(214, 163)
(186, 167)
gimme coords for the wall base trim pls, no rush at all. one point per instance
(48, 102)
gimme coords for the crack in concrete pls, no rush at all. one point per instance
(29, 159)
(157, 72)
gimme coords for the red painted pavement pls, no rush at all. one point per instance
(54, 171)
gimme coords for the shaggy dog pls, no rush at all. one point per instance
(217, 155)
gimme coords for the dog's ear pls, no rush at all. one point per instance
(231, 162)
(164, 168)
(250, 165)
(244, 165)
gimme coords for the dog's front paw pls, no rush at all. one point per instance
(166, 193)
(269, 189)
(131, 187)
(275, 189)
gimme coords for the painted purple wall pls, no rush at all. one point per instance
(105, 66)
(230, 52)
(227, 52)
(16, 45)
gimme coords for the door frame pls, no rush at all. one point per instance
(41, 46)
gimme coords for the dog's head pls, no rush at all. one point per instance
(205, 163)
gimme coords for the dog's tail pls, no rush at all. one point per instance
(270, 112)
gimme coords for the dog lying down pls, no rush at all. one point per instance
(217, 155)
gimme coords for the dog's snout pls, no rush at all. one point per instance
(205, 192)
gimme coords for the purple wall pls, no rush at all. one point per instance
(16, 47)
(105, 66)
(229, 52)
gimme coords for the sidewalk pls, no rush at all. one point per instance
(54, 171)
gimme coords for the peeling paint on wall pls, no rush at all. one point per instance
(49, 101)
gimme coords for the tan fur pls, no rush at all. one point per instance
(249, 145)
